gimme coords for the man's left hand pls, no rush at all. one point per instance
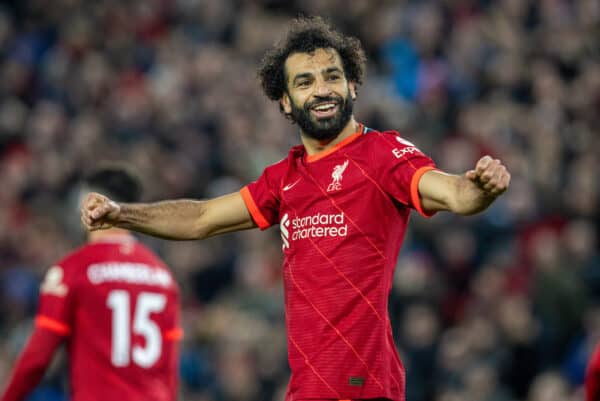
(490, 175)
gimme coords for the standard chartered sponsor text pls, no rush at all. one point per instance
(319, 225)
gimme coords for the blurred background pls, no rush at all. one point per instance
(498, 307)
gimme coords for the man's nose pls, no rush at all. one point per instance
(322, 88)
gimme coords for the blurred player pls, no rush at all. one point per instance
(342, 201)
(592, 377)
(115, 305)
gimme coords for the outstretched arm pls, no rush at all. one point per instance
(182, 219)
(465, 194)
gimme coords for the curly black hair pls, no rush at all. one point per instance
(116, 180)
(306, 34)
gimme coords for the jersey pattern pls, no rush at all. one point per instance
(118, 307)
(342, 215)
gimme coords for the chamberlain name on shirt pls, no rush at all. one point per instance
(134, 273)
(319, 225)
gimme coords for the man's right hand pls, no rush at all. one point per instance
(99, 212)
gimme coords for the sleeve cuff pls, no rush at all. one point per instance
(257, 216)
(175, 334)
(52, 325)
(414, 190)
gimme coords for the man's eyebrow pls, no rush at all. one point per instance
(332, 69)
(309, 75)
(302, 75)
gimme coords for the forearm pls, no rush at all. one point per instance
(469, 198)
(32, 364)
(465, 194)
(174, 219)
(183, 219)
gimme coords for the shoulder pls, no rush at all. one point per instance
(145, 254)
(61, 276)
(278, 167)
(278, 170)
(387, 144)
(69, 270)
(74, 259)
(386, 139)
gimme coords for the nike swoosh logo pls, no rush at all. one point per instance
(290, 186)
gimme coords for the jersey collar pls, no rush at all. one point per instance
(351, 138)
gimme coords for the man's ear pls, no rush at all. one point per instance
(352, 89)
(286, 103)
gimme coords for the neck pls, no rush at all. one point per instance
(314, 146)
(118, 234)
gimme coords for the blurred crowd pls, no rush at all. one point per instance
(503, 306)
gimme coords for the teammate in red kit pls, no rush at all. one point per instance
(342, 201)
(592, 377)
(116, 306)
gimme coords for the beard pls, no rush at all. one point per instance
(325, 128)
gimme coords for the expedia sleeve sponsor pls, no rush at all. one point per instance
(394, 162)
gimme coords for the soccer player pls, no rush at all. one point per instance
(592, 377)
(342, 201)
(116, 306)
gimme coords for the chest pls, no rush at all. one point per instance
(323, 184)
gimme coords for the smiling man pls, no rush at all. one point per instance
(342, 200)
(322, 98)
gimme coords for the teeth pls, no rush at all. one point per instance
(326, 106)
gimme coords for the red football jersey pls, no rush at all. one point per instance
(592, 377)
(342, 215)
(118, 306)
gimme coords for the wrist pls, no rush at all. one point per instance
(119, 213)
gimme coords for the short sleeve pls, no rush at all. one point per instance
(262, 197)
(399, 166)
(56, 305)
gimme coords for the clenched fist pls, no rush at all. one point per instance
(99, 212)
(490, 175)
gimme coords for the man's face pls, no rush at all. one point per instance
(319, 98)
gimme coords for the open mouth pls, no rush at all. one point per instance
(324, 110)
